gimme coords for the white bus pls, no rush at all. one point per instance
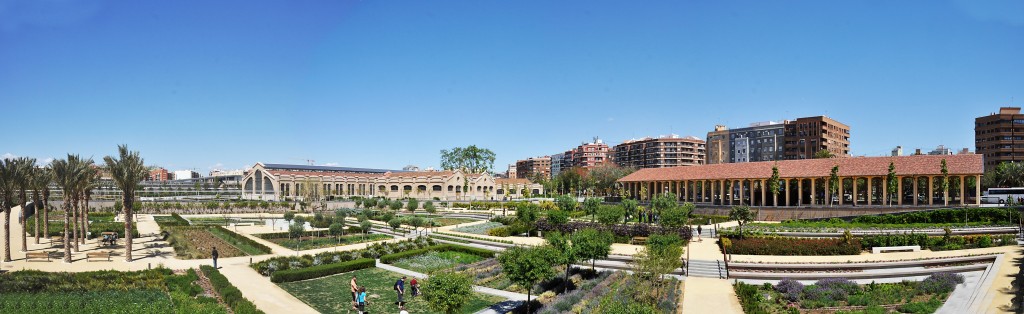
(1001, 195)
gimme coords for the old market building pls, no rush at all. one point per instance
(277, 181)
(862, 181)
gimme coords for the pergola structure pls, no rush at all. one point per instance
(862, 181)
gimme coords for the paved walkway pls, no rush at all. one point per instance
(707, 295)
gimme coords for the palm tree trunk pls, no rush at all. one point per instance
(85, 216)
(21, 219)
(127, 227)
(46, 213)
(37, 205)
(67, 224)
(74, 221)
(7, 233)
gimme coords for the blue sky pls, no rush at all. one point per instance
(224, 84)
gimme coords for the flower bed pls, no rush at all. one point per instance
(791, 246)
(843, 295)
(436, 260)
(619, 230)
(247, 245)
(231, 295)
(480, 229)
(328, 241)
(387, 259)
(376, 250)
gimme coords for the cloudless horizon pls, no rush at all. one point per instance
(383, 84)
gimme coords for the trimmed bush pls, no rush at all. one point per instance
(792, 246)
(231, 295)
(320, 270)
(387, 259)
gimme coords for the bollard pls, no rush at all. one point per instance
(149, 265)
(250, 261)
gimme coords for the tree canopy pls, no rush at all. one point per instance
(447, 292)
(473, 159)
(528, 266)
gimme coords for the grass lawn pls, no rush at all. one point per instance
(479, 228)
(452, 221)
(331, 295)
(434, 261)
(322, 242)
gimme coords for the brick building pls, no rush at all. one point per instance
(533, 166)
(159, 174)
(587, 155)
(660, 152)
(805, 136)
(1000, 136)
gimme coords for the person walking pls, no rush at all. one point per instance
(361, 300)
(355, 291)
(400, 289)
(699, 231)
(415, 287)
(215, 255)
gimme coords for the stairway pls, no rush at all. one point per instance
(707, 269)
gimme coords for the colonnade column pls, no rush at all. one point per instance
(963, 182)
(751, 192)
(885, 190)
(840, 192)
(854, 183)
(787, 182)
(977, 190)
(814, 194)
(899, 191)
(721, 192)
(763, 192)
(931, 191)
(869, 191)
(799, 192)
(916, 193)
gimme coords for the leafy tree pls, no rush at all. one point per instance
(417, 222)
(429, 207)
(412, 204)
(558, 217)
(676, 216)
(369, 202)
(472, 159)
(566, 203)
(526, 213)
(592, 244)
(340, 215)
(288, 216)
(395, 223)
(891, 182)
(660, 256)
(643, 192)
(567, 252)
(365, 226)
(528, 266)
(395, 205)
(662, 202)
(773, 185)
(823, 153)
(610, 215)
(833, 184)
(630, 208)
(447, 292)
(604, 176)
(944, 182)
(359, 202)
(127, 170)
(336, 229)
(741, 214)
(296, 229)
(590, 206)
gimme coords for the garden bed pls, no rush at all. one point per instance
(197, 242)
(324, 294)
(480, 229)
(327, 241)
(436, 260)
(832, 295)
(375, 250)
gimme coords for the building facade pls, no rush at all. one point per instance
(805, 136)
(941, 150)
(507, 189)
(660, 152)
(533, 167)
(761, 141)
(511, 172)
(277, 181)
(185, 174)
(556, 164)
(1000, 137)
(159, 174)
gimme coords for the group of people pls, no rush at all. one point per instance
(359, 294)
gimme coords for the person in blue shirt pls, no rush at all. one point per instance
(400, 289)
(361, 299)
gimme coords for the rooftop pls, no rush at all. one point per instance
(325, 168)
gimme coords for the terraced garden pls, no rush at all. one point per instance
(197, 242)
(435, 261)
(843, 296)
(480, 229)
(308, 243)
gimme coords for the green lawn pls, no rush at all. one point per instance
(322, 242)
(434, 261)
(331, 295)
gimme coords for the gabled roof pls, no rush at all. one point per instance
(288, 167)
(964, 164)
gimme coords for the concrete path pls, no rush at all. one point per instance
(266, 295)
(707, 295)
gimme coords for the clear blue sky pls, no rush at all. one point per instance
(202, 84)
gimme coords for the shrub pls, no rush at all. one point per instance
(231, 295)
(387, 259)
(941, 282)
(792, 246)
(790, 288)
(320, 270)
(502, 231)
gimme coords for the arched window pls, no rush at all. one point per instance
(437, 188)
(394, 188)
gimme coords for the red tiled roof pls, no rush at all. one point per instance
(511, 181)
(964, 164)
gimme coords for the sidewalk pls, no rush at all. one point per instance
(707, 295)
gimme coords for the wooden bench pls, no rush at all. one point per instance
(91, 255)
(54, 240)
(885, 249)
(639, 240)
(37, 255)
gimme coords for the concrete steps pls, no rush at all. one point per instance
(706, 269)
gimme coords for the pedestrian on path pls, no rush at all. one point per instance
(699, 231)
(215, 255)
(361, 300)
(400, 289)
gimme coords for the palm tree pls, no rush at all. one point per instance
(92, 179)
(23, 180)
(8, 184)
(85, 182)
(41, 178)
(127, 171)
(66, 173)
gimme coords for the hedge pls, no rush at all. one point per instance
(285, 234)
(619, 230)
(241, 238)
(792, 246)
(387, 259)
(231, 295)
(989, 215)
(320, 270)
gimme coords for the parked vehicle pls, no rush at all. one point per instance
(1002, 195)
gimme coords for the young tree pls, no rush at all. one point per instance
(773, 185)
(472, 159)
(833, 184)
(944, 182)
(395, 205)
(412, 205)
(663, 202)
(741, 214)
(417, 222)
(643, 192)
(558, 217)
(630, 207)
(336, 229)
(128, 170)
(676, 216)
(567, 252)
(566, 203)
(528, 266)
(429, 207)
(365, 226)
(590, 206)
(660, 256)
(447, 292)
(592, 244)
(610, 215)
(296, 229)
(288, 216)
(823, 153)
(891, 183)
(395, 223)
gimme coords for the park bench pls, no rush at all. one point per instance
(91, 255)
(885, 249)
(639, 240)
(37, 255)
(54, 240)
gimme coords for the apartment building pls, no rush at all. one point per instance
(999, 137)
(805, 136)
(660, 152)
(533, 166)
(761, 141)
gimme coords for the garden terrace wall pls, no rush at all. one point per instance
(627, 230)
(321, 270)
(387, 259)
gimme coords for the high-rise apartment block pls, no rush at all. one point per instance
(805, 136)
(533, 167)
(661, 152)
(999, 137)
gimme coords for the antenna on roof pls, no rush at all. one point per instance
(311, 162)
